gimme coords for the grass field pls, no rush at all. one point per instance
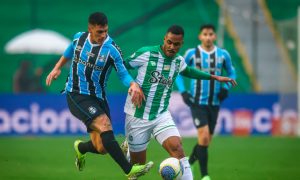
(230, 158)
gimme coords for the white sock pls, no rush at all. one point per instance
(187, 173)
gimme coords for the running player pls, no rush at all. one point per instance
(93, 56)
(158, 67)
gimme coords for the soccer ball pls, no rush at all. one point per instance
(170, 169)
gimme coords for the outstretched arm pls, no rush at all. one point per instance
(197, 74)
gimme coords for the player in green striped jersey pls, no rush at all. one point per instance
(158, 67)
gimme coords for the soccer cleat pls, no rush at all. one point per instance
(206, 178)
(139, 170)
(79, 158)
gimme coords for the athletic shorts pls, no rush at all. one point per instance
(86, 108)
(205, 115)
(139, 131)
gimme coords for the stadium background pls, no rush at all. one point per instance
(261, 37)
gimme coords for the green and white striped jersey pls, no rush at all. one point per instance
(156, 74)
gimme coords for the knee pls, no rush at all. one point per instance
(176, 150)
(204, 141)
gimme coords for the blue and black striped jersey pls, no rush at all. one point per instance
(92, 65)
(206, 92)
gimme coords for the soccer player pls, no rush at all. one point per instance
(206, 94)
(158, 67)
(93, 56)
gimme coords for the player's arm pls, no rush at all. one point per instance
(229, 68)
(137, 95)
(68, 54)
(194, 73)
(53, 75)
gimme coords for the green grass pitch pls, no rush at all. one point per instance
(230, 158)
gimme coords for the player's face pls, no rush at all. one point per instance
(98, 33)
(172, 44)
(207, 37)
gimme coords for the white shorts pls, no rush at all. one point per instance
(138, 131)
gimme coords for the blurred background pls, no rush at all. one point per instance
(260, 35)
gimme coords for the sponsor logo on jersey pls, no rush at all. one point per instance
(88, 64)
(167, 67)
(157, 77)
(78, 48)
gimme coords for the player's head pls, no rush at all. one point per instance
(173, 40)
(207, 35)
(98, 27)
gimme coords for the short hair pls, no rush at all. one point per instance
(176, 29)
(208, 26)
(98, 18)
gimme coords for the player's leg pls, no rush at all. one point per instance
(138, 134)
(167, 134)
(201, 115)
(79, 106)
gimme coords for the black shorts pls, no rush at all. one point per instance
(205, 115)
(86, 108)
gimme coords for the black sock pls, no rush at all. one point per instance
(203, 159)
(85, 147)
(193, 157)
(112, 147)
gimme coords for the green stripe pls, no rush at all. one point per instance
(146, 85)
(163, 129)
(160, 91)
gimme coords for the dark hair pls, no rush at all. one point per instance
(208, 26)
(98, 18)
(175, 29)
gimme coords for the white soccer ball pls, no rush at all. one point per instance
(170, 169)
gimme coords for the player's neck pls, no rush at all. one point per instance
(208, 48)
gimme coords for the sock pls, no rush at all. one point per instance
(203, 159)
(85, 147)
(193, 157)
(112, 147)
(187, 172)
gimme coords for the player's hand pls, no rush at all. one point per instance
(223, 94)
(187, 98)
(53, 75)
(136, 93)
(224, 79)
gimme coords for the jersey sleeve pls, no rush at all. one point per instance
(122, 72)
(137, 59)
(229, 68)
(69, 52)
(188, 56)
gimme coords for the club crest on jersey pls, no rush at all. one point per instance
(102, 58)
(153, 63)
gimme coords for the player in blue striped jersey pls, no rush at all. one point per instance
(94, 54)
(206, 95)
